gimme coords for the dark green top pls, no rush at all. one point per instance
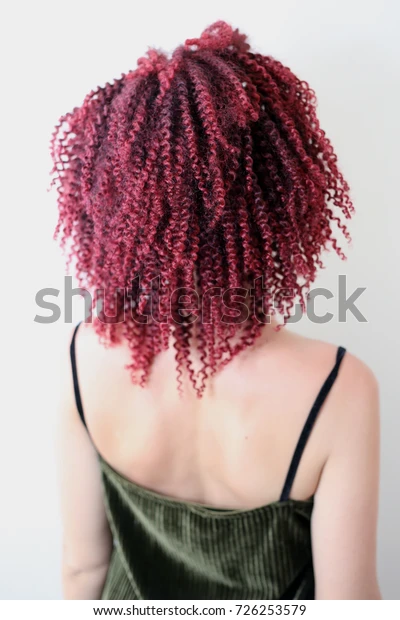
(165, 548)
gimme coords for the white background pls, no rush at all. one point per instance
(52, 55)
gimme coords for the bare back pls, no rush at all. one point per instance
(232, 448)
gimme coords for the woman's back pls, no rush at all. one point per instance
(232, 448)
(177, 469)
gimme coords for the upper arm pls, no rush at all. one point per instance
(344, 522)
(87, 540)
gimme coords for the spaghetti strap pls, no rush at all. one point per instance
(305, 433)
(77, 392)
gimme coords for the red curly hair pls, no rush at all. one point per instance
(204, 171)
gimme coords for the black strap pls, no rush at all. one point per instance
(78, 399)
(305, 433)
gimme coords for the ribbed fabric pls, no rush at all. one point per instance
(172, 549)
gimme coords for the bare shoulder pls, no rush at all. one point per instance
(82, 363)
(359, 375)
(355, 374)
(358, 395)
(89, 341)
(65, 375)
(76, 344)
(356, 389)
(352, 410)
(100, 366)
(354, 400)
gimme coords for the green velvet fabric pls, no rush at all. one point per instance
(171, 549)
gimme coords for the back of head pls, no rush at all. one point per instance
(185, 184)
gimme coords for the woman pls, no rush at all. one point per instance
(207, 453)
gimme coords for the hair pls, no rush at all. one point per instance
(206, 170)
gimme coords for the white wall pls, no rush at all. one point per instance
(348, 50)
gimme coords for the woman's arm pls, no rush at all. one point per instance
(87, 540)
(344, 522)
